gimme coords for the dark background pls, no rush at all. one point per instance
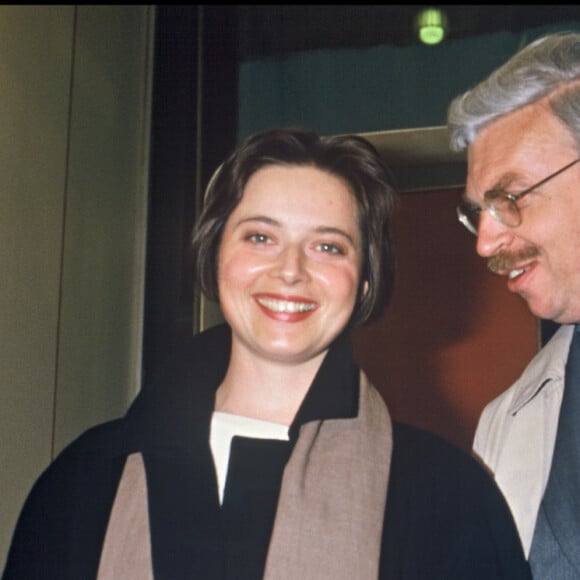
(198, 52)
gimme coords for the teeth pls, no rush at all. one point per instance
(515, 273)
(285, 305)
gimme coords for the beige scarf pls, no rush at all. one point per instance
(330, 512)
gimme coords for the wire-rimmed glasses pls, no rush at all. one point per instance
(501, 205)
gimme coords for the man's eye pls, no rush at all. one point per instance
(471, 208)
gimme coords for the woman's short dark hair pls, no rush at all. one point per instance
(350, 158)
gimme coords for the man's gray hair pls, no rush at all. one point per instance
(541, 68)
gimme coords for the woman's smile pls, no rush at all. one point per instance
(285, 309)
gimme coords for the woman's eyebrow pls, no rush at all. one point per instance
(260, 219)
(334, 230)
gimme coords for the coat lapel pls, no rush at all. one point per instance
(561, 500)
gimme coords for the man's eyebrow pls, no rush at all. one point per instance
(501, 184)
(465, 199)
(506, 180)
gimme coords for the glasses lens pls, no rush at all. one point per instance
(502, 208)
(468, 215)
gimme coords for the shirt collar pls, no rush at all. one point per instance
(546, 369)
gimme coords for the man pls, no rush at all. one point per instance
(522, 130)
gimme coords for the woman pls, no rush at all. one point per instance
(261, 450)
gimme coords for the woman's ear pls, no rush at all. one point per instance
(365, 287)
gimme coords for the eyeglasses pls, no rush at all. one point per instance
(501, 205)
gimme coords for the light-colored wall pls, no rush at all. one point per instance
(75, 86)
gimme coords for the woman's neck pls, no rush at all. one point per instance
(266, 390)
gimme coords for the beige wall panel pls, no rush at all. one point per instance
(35, 64)
(103, 276)
(75, 85)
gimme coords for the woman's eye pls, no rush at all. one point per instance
(330, 248)
(258, 238)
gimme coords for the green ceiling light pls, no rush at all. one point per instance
(431, 25)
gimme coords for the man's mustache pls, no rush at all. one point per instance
(506, 261)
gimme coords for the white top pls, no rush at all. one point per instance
(516, 432)
(224, 426)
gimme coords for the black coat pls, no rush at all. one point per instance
(444, 518)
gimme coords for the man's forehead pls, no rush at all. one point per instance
(517, 146)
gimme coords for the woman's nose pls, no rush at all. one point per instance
(291, 265)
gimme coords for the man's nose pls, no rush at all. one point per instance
(491, 235)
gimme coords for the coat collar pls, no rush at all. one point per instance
(176, 405)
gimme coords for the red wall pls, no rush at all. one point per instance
(453, 336)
